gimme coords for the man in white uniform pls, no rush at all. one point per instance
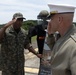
(63, 61)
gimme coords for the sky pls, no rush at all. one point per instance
(29, 8)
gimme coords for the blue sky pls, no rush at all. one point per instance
(29, 8)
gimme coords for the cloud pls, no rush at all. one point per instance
(72, 2)
(29, 8)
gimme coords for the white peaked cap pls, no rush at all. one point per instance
(61, 8)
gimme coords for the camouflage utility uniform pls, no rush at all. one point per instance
(12, 50)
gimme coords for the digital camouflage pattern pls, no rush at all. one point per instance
(0, 58)
(12, 50)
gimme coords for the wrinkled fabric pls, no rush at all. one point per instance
(63, 56)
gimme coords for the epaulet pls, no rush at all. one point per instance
(73, 37)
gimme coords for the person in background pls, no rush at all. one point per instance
(13, 41)
(63, 60)
(39, 30)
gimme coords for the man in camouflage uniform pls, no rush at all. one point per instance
(13, 41)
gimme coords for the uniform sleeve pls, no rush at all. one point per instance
(31, 33)
(3, 38)
(73, 60)
(27, 42)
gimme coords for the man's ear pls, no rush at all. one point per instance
(60, 19)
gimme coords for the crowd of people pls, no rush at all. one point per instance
(14, 39)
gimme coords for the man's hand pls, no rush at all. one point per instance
(45, 62)
(39, 55)
(10, 23)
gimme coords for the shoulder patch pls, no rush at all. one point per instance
(73, 37)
